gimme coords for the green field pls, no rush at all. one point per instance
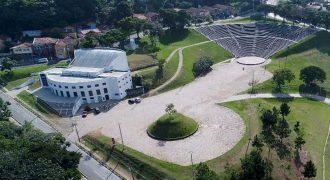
(36, 104)
(191, 55)
(315, 125)
(314, 119)
(140, 61)
(314, 50)
(174, 126)
(22, 74)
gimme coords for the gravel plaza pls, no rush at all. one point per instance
(219, 127)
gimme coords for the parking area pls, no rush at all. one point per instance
(219, 128)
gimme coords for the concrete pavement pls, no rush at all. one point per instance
(88, 166)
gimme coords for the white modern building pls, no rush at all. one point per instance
(95, 75)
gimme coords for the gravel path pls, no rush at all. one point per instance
(220, 128)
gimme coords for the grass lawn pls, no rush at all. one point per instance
(314, 119)
(191, 55)
(36, 104)
(139, 61)
(22, 74)
(174, 126)
(314, 50)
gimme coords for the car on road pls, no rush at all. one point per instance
(137, 100)
(97, 110)
(84, 114)
(131, 101)
(41, 60)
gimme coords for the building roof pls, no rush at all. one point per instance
(44, 40)
(99, 58)
(151, 14)
(140, 16)
(86, 31)
(23, 45)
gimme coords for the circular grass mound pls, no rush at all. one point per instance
(172, 127)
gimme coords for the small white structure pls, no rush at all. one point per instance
(32, 33)
(95, 75)
(25, 48)
(131, 45)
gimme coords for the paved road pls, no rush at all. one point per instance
(88, 166)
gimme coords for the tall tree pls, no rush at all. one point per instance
(312, 74)
(281, 77)
(7, 64)
(310, 170)
(284, 109)
(204, 173)
(283, 129)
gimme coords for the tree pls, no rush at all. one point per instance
(309, 170)
(170, 110)
(173, 19)
(204, 173)
(282, 76)
(299, 142)
(202, 66)
(297, 127)
(283, 129)
(7, 64)
(4, 111)
(312, 74)
(284, 109)
(269, 117)
(257, 142)
(112, 36)
(159, 74)
(254, 167)
(123, 9)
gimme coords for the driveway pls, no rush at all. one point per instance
(219, 128)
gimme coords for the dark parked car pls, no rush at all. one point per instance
(131, 101)
(97, 111)
(84, 114)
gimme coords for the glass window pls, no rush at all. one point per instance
(83, 94)
(75, 94)
(104, 84)
(105, 90)
(96, 85)
(62, 93)
(98, 92)
(90, 93)
(66, 87)
(80, 87)
(92, 98)
(73, 87)
(60, 86)
(84, 99)
(89, 86)
(68, 94)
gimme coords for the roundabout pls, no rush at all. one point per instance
(172, 127)
(250, 60)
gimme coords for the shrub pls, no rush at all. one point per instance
(202, 66)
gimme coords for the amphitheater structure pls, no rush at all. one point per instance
(253, 43)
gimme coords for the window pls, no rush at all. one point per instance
(117, 94)
(54, 85)
(80, 87)
(118, 81)
(98, 92)
(89, 86)
(90, 93)
(84, 99)
(59, 86)
(96, 85)
(83, 94)
(105, 90)
(73, 87)
(56, 92)
(75, 94)
(92, 98)
(62, 93)
(68, 94)
(66, 87)
(104, 84)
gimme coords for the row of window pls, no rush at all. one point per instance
(80, 87)
(82, 93)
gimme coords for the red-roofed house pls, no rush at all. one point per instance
(22, 51)
(44, 47)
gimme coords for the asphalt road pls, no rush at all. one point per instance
(88, 166)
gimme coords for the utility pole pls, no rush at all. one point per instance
(192, 166)
(75, 127)
(121, 136)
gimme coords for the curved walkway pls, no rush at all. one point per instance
(268, 95)
(179, 69)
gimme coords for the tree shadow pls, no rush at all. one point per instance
(173, 35)
(312, 89)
